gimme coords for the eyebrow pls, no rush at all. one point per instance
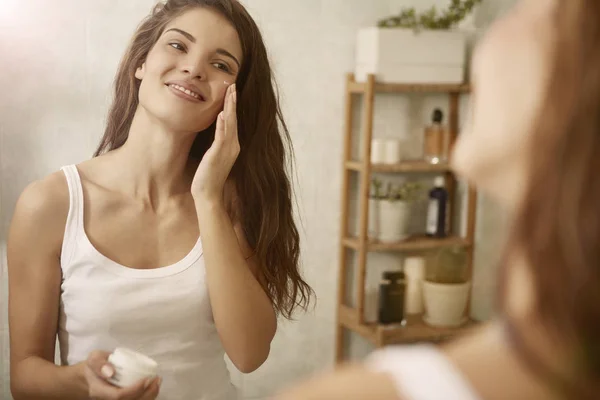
(192, 39)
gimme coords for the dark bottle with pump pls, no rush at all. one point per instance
(392, 291)
(437, 210)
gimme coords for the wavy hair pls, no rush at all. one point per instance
(266, 151)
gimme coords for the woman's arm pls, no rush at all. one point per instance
(34, 244)
(352, 382)
(244, 315)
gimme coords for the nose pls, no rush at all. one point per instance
(194, 70)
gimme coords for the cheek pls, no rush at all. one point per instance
(144, 93)
(219, 89)
(497, 137)
(490, 145)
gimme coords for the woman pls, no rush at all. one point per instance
(533, 143)
(99, 253)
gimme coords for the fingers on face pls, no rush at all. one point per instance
(231, 112)
(230, 100)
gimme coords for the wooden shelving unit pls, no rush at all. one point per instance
(352, 318)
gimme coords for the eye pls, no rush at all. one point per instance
(222, 66)
(177, 46)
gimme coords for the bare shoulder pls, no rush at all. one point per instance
(45, 197)
(348, 382)
(43, 206)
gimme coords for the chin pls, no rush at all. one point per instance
(177, 118)
(503, 187)
(179, 122)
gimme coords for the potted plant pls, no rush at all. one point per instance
(446, 288)
(375, 196)
(394, 211)
(416, 48)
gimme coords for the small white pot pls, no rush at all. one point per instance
(392, 151)
(378, 151)
(393, 220)
(445, 304)
(131, 367)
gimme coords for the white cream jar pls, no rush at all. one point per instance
(131, 367)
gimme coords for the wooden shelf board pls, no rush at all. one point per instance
(405, 166)
(361, 87)
(415, 329)
(416, 243)
(348, 318)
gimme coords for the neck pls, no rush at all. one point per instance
(154, 160)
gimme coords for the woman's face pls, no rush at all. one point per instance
(510, 70)
(186, 74)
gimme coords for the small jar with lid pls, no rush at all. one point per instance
(392, 292)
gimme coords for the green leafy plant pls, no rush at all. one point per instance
(431, 18)
(376, 192)
(448, 266)
(408, 191)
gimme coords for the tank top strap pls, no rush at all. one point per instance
(74, 225)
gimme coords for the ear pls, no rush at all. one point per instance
(139, 73)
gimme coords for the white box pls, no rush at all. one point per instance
(397, 55)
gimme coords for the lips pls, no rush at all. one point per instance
(186, 90)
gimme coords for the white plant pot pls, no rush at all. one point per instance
(398, 55)
(393, 220)
(445, 304)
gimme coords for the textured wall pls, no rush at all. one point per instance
(59, 59)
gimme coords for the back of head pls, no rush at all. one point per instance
(558, 224)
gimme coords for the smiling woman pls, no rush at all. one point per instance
(177, 239)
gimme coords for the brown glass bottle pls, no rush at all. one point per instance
(434, 143)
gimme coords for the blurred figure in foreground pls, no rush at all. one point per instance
(533, 144)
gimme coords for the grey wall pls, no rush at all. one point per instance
(57, 62)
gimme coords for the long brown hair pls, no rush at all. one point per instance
(558, 225)
(266, 150)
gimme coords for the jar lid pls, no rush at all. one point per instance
(393, 275)
(133, 360)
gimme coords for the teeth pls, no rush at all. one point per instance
(186, 91)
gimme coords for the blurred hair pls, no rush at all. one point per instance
(557, 227)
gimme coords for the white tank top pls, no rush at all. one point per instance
(422, 372)
(164, 312)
